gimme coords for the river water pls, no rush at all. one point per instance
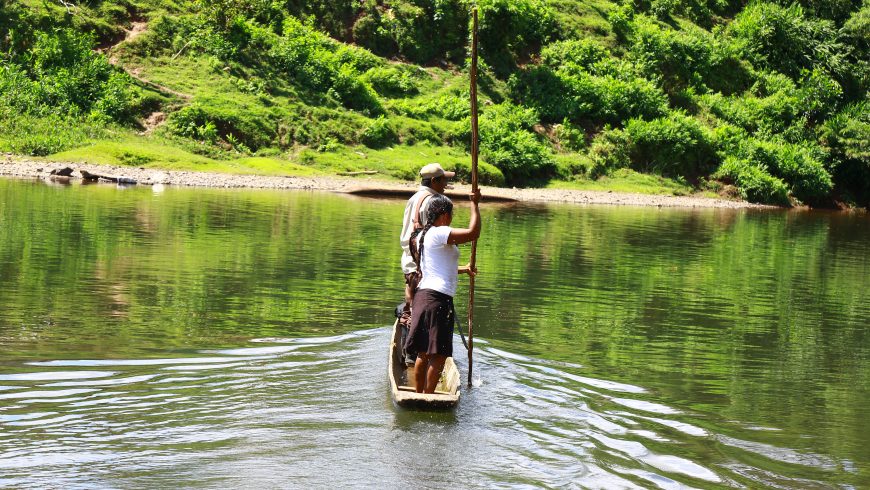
(209, 338)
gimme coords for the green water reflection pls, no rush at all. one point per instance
(755, 321)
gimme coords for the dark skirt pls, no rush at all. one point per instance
(431, 324)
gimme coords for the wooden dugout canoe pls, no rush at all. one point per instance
(402, 380)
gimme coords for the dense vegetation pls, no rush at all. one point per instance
(767, 100)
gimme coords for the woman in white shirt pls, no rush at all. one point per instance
(437, 257)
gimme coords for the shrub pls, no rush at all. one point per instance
(609, 151)
(413, 131)
(193, 122)
(771, 106)
(333, 16)
(847, 134)
(330, 146)
(581, 96)
(802, 166)
(452, 107)
(369, 31)
(857, 26)
(314, 61)
(391, 81)
(621, 99)
(354, 92)
(305, 55)
(18, 90)
(422, 30)
(580, 80)
(775, 105)
(360, 60)
(795, 164)
(700, 12)
(676, 145)
(572, 166)
(727, 138)
(315, 126)
(581, 53)
(409, 24)
(685, 57)
(819, 94)
(754, 183)
(510, 29)
(846, 137)
(507, 142)
(836, 10)
(448, 106)
(61, 75)
(16, 29)
(799, 167)
(487, 174)
(116, 103)
(549, 93)
(681, 57)
(783, 39)
(727, 72)
(570, 136)
(663, 9)
(379, 133)
(248, 131)
(221, 28)
(26, 134)
(620, 20)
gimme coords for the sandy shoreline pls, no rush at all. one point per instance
(16, 167)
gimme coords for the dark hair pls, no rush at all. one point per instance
(438, 206)
(427, 181)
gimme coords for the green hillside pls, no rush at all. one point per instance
(767, 101)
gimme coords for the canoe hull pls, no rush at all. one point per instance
(402, 380)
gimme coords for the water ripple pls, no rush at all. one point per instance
(55, 375)
(324, 402)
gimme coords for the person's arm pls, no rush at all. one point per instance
(465, 235)
(466, 269)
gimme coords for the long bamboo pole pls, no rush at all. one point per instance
(474, 149)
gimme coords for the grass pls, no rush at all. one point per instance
(220, 90)
(25, 134)
(626, 180)
(402, 162)
(196, 76)
(156, 153)
(586, 19)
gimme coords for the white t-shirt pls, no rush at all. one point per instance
(440, 261)
(408, 264)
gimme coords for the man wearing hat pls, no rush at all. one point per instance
(434, 181)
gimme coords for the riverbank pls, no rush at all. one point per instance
(367, 185)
